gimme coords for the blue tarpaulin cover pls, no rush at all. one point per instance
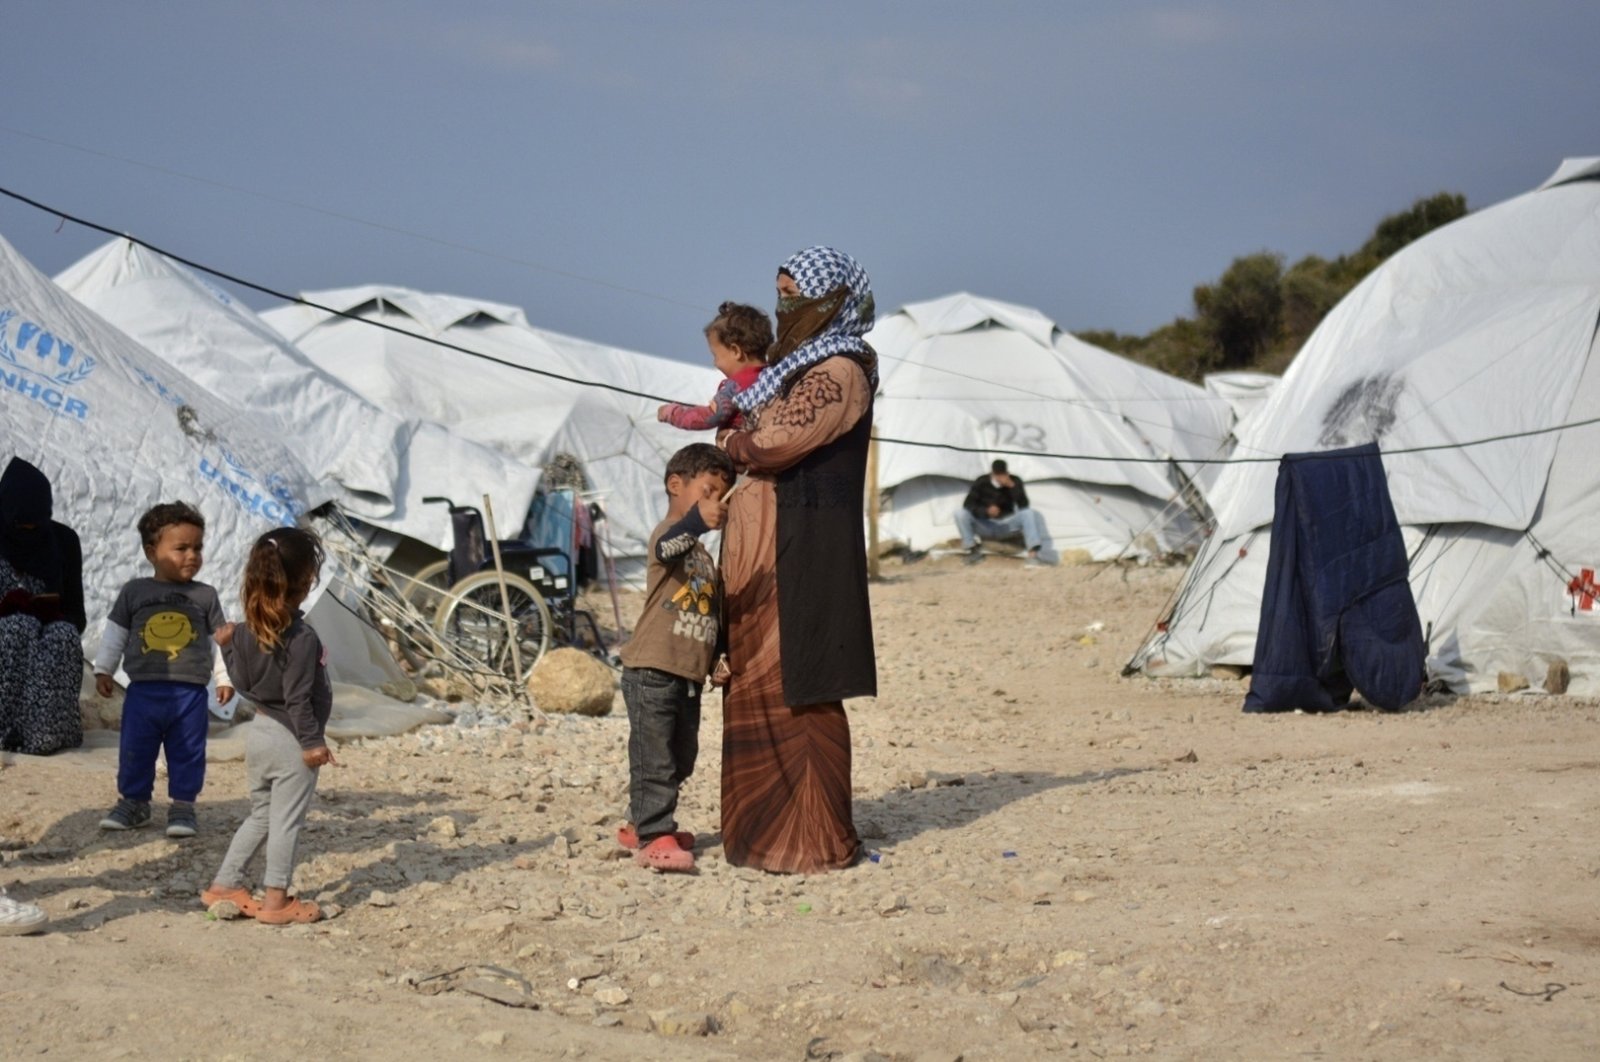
(1337, 612)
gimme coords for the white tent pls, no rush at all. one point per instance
(1245, 392)
(1484, 329)
(378, 465)
(999, 378)
(530, 416)
(117, 429)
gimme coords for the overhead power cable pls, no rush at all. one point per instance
(619, 389)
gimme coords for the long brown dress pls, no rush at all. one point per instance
(786, 758)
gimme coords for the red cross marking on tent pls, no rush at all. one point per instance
(1583, 588)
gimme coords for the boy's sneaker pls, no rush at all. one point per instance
(18, 918)
(1033, 560)
(127, 815)
(974, 555)
(180, 819)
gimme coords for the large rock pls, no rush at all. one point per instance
(570, 681)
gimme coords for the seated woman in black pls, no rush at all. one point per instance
(41, 617)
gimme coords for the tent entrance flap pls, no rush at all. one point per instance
(1337, 613)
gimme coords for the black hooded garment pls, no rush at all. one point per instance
(34, 544)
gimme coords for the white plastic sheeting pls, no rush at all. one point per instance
(1485, 327)
(1245, 392)
(1001, 378)
(527, 416)
(117, 430)
(380, 465)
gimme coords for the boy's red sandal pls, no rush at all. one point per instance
(664, 854)
(628, 838)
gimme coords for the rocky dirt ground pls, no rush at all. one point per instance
(1072, 864)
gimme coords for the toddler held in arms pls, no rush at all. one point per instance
(738, 337)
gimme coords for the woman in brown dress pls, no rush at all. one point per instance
(795, 577)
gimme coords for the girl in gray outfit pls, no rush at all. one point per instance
(277, 662)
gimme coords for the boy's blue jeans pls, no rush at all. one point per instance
(157, 714)
(663, 743)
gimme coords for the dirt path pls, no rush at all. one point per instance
(1059, 877)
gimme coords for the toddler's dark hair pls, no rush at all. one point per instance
(158, 518)
(285, 562)
(745, 328)
(696, 458)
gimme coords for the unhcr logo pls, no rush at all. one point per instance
(37, 364)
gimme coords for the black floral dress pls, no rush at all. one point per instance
(41, 676)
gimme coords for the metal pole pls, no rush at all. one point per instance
(505, 601)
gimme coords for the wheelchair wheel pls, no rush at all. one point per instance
(427, 589)
(471, 618)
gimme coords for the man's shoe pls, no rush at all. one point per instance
(19, 919)
(181, 821)
(127, 815)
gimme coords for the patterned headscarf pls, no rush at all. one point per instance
(817, 272)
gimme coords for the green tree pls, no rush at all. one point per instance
(1257, 314)
(1242, 312)
(1425, 215)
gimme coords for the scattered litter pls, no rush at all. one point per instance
(494, 983)
(1546, 994)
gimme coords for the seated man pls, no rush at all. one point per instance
(997, 507)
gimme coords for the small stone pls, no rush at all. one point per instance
(611, 995)
(681, 1022)
(607, 1021)
(1557, 677)
(1082, 896)
(224, 910)
(444, 826)
(656, 980)
(1068, 958)
(1511, 682)
(493, 925)
(492, 1038)
(891, 903)
(379, 898)
(1455, 985)
(1394, 934)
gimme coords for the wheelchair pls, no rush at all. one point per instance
(462, 593)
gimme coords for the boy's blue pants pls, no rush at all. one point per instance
(154, 714)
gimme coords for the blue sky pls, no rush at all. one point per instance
(619, 168)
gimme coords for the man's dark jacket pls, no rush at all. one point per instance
(984, 494)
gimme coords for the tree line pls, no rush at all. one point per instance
(1257, 314)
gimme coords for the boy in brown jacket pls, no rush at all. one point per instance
(666, 662)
